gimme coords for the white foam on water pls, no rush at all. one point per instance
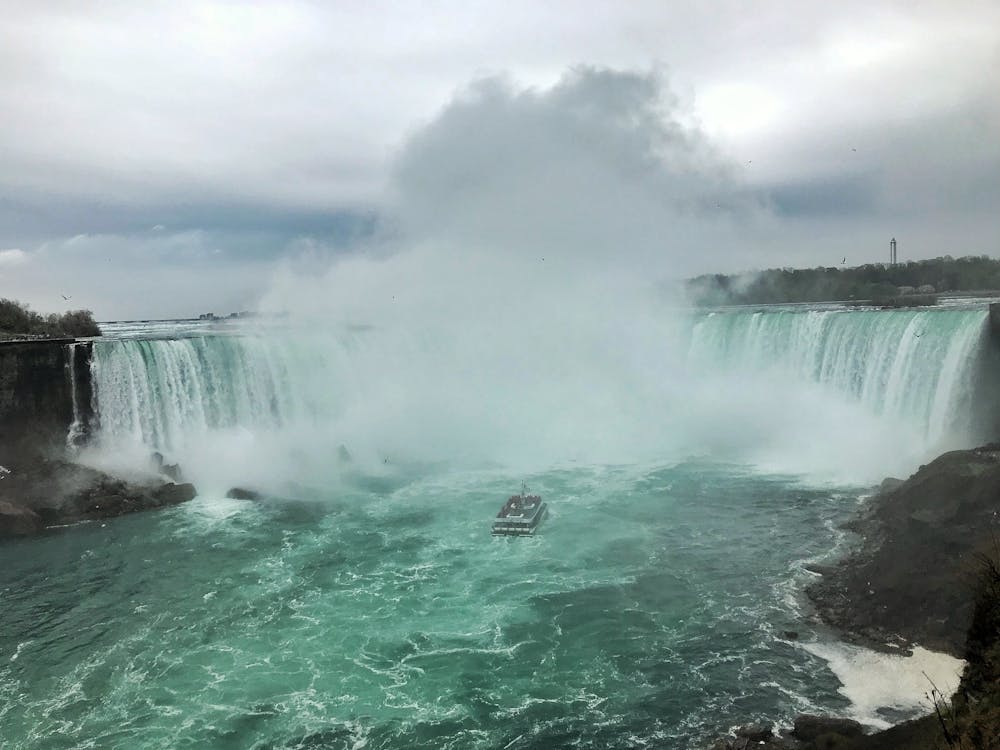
(872, 680)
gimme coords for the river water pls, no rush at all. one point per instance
(362, 603)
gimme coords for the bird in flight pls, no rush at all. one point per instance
(65, 297)
(844, 260)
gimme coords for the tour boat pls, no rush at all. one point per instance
(520, 515)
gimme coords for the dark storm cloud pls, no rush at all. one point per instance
(832, 197)
(33, 219)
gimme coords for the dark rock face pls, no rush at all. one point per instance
(912, 577)
(240, 493)
(809, 728)
(756, 737)
(16, 520)
(40, 492)
(171, 471)
(39, 382)
(755, 732)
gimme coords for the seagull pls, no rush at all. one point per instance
(854, 149)
(844, 260)
(65, 297)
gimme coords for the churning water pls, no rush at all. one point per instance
(363, 602)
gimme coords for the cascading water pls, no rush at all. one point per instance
(76, 428)
(911, 370)
(918, 366)
(159, 392)
(379, 611)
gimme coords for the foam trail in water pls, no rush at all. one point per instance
(872, 680)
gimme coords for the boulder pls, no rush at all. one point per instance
(16, 520)
(44, 492)
(809, 728)
(171, 471)
(754, 732)
(241, 493)
(888, 485)
(174, 494)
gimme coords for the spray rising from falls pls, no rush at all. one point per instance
(915, 366)
(281, 403)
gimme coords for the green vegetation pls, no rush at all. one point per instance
(18, 321)
(877, 282)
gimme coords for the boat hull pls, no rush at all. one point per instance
(526, 527)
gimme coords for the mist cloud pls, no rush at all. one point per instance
(599, 166)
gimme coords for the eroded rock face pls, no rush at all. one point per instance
(38, 492)
(912, 576)
(809, 728)
(40, 381)
(16, 520)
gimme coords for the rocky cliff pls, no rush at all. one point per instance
(45, 393)
(926, 571)
(45, 411)
(912, 579)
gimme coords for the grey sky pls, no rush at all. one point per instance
(162, 159)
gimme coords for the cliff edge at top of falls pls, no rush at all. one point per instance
(38, 492)
(911, 581)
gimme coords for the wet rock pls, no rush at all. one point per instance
(757, 740)
(174, 494)
(889, 484)
(754, 732)
(17, 520)
(910, 580)
(171, 471)
(809, 728)
(241, 493)
(45, 492)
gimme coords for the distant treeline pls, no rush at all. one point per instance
(17, 320)
(875, 281)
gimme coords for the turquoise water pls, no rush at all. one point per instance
(364, 604)
(648, 613)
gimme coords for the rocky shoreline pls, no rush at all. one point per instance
(924, 572)
(38, 493)
(912, 579)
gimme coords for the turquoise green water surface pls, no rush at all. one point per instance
(647, 613)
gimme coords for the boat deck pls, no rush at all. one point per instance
(519, 516)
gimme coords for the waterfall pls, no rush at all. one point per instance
(798, 390)
(160, 391)
(77, 428)
(917, 365)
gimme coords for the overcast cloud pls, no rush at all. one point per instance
(162, 159)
